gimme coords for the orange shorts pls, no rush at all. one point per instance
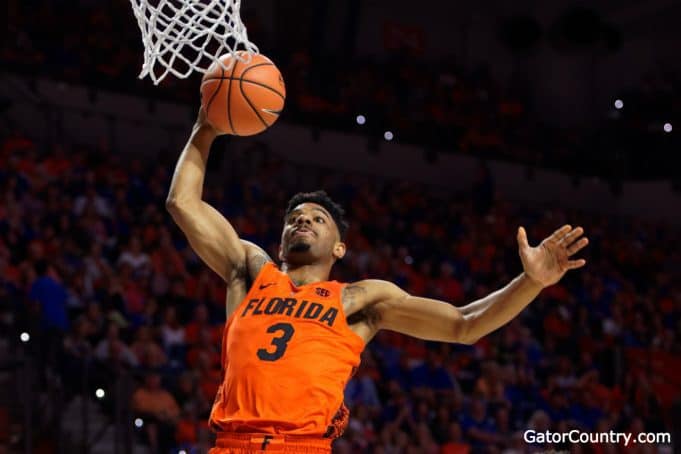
(231, 443)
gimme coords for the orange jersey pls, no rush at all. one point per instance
(287, 354)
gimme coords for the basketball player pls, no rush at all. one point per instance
(293, 338)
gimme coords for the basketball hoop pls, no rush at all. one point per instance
(184, 36)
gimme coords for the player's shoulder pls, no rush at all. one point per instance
(365, 303)
(374, 286)
(256, 259)
(253, 248)
(367, 292)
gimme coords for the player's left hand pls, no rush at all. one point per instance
(547, 263)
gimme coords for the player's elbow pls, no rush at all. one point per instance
(171, 204)
(465, 331)
(469, 340)
(179, 211)
(175, 205)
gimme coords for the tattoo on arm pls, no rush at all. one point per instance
(352, 296)
(256, 263)
(248, 271)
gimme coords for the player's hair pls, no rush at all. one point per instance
(321, 198)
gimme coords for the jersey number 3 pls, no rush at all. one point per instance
(279, 342)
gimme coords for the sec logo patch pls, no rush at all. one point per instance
(322, 292)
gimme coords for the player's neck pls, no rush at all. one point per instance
(306, 274)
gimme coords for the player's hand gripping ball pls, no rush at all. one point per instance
(245, 99)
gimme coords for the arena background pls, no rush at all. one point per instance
(530, 113)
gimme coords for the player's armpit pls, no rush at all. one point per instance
(424, 318)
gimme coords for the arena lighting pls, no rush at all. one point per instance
(99, 393)
(25, 337)
(181, 451)
(618, 104)
(667, 127)
(388, 136)
(361, 119)
(139, 423)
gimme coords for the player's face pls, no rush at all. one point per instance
(310, 234)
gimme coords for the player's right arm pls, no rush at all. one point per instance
(210, 235)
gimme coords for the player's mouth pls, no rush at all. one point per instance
(302, 232)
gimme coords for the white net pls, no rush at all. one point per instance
(183, 36)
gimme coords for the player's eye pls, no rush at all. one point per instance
(319, 219)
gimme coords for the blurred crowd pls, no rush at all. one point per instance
(90, 261)
(436, 104)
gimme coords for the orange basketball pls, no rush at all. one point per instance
(245, 99)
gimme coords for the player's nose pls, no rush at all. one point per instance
(303, 219)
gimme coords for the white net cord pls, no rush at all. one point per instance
(183, 36)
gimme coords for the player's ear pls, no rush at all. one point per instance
(339, 250)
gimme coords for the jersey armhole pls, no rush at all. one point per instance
(357, 337)
(250, 287)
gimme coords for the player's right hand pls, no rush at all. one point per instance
(203, 123)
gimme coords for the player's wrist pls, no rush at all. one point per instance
(203, 136)
(204, 127)
(532, 282)
(205, 131)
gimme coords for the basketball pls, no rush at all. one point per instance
(245, 99)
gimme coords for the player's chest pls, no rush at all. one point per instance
(290, 305)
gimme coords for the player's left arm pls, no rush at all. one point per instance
(394, 309)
